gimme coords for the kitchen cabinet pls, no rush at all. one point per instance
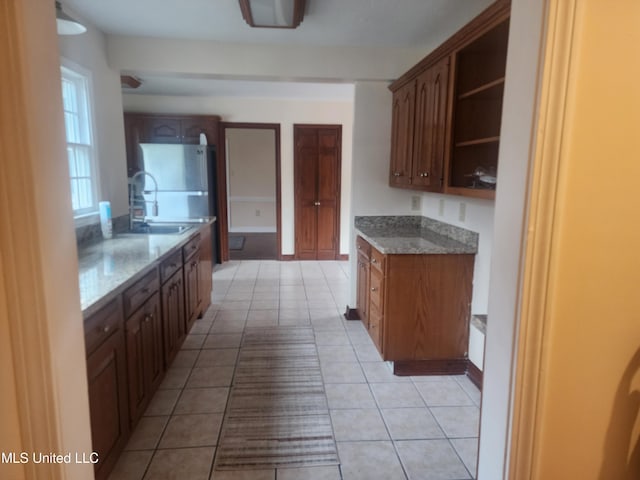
(418, 130)
(192, 289)
(206, 267)
(446, 111)
(417, 309)
(362, 301)
(173, 315)
(145, 359)
(149, 128)
(107, 383)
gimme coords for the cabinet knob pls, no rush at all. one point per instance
(396, 174)
(106, 329)
(317, 204)
(424, 174)
(374, 289)
(373, 260)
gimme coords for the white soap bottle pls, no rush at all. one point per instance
(105, 219)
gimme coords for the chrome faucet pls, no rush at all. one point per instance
(133, 217)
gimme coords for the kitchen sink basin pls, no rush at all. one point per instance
(161, 229)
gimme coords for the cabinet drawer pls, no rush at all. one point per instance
(363, 247)
(191, 247)
(170, 266)
(377, 260)
(376, 290)
(102, 324)
(137, 294)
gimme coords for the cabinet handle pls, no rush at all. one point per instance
(373, 260)
(359, 247)
(374, 289)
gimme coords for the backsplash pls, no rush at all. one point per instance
(92, 233)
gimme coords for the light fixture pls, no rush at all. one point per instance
(66, 24)
(272, 13)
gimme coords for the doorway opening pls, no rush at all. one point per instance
(251, 153)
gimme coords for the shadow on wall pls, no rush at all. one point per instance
(622, 443)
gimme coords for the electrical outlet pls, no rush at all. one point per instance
(415, 202)
(462, 212)
(257, 213)
(441, 208)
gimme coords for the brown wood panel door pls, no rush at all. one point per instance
(430, 125)
(163, 130)
(317, 167)
(192, 127)
(403, 114)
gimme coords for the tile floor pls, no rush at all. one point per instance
(386, 427)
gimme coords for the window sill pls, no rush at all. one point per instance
(86, 219)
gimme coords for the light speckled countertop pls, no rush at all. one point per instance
(414, 235)
(106, 267)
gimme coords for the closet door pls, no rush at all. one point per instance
(317, 191)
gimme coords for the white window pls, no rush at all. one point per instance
(76, 99)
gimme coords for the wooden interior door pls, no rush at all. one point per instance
(317, 169)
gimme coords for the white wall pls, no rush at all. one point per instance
(510, 211)
(478, 217)
(89, 51)
(251, 179)
(286, 112)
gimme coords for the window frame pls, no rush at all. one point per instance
(83, 77)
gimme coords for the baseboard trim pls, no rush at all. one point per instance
(446, 366)
(475, 375)
(287, 258)
(351, 313)
(343, 257)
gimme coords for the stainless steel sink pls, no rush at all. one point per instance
(161, 229)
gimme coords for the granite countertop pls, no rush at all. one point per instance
(415, 235)
(106, 266)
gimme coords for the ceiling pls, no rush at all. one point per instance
(370, 23)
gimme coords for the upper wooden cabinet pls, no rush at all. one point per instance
(447, 111)
(148, 128)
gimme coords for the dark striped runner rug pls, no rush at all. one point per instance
(277, 414)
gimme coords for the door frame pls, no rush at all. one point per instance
(337, 255)
(222, 184)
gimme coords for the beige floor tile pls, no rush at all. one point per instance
(349, 395)
(147, 433)
(183, 463)
(309, 473)
(358, 424)
(411, 423)
(193, 341)
(381, 372)
(210, 377)
(228, 326)
(176, 377)
(191, 431)
(185, 358)
(202, 326)
(332, 337)
(369, 461)
(263, 315)
(458, 422)
(235, 305)
(271, 304)
(218, 357)
(443, 393)
(431, 460)
(163, 402)
(287, 321)
(131, 465)
(232, 316)
(337, 372)
(336, 353)
(367, 353)
(467, 449)
(396, 395)
(202, 400)
(269, 474)
(469, 387)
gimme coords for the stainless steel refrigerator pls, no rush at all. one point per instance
(181, 182)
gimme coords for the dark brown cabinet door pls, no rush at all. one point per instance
(192, 291)
(107, 382)
(317, 190)
(163, 130)
(362, 301)
(402, 124)
(430, 125)
(145, 360)
(192, 127)
(206, 268)
(173, 316)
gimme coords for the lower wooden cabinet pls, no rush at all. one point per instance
(206, 267)
(417, 308)
(173, 315)
(145, 359)
(107, 382)
(192, 289)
